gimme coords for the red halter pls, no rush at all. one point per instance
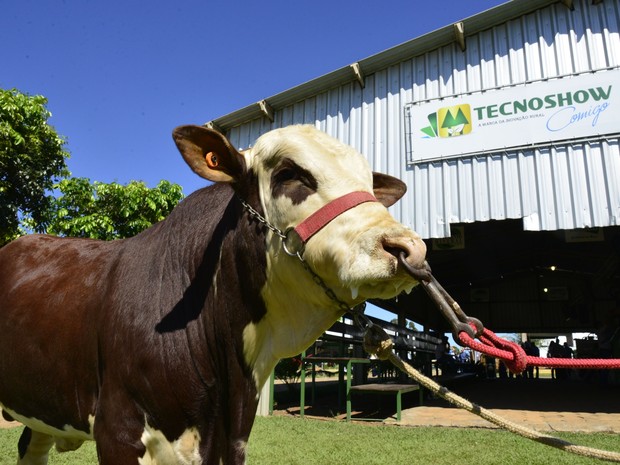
(294, 244)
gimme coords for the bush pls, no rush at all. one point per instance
(288, 370)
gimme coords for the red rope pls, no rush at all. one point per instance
(517, 360)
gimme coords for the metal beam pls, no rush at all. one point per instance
(266, 110)
(213, 126)
(459, 34)
(359, 75)
(569, 4)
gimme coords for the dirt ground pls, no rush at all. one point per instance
(8, 424)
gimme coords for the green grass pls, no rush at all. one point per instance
(85, 455)
(325, 442)
(290, 441)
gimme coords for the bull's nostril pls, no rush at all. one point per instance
(414, 250)
(393, 250)
(410, 253)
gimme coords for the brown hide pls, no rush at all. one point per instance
(149, 338)
(132, 330)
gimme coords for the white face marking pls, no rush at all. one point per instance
(347, 253)
(159, 451)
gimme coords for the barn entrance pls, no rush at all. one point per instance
(522, 281)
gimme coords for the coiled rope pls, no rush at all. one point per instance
(517, 360)
(377, 342)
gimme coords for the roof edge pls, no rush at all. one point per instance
(370, 65)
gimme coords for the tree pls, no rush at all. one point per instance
(110, 211)
(32, 159)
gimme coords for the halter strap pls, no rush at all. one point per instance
(320, 218)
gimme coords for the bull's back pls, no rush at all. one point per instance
(52, 292)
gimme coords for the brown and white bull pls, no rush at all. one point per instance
(156, 346)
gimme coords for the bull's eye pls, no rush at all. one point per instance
(286, 175)
(293, 181)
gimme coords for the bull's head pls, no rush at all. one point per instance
(296, 171)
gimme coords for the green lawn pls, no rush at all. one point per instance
(289, 441)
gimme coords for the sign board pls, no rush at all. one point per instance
(572, 107)
(585, 235)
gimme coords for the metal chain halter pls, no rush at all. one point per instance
(295, 248)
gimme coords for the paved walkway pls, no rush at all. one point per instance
(543, 404)
(540, 421)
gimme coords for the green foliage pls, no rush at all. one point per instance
(110, 211)
(32, 159)
(288, 370)
(410, 324)
(33, 163)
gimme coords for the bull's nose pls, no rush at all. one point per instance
(411, 253)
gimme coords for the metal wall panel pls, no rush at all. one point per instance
(563, 186)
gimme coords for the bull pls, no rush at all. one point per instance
(156, 346)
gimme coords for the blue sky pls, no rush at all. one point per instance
(120, 75)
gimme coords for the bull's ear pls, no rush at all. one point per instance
(388, 189)
(209, 154)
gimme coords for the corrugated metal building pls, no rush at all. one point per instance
(567, 183)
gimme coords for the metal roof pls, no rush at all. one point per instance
(565, 185)
(418, 46)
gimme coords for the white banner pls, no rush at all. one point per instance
(572, 107)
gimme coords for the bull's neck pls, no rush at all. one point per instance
(233, 272)
(297, 313)
(259, 304)
(213, 262)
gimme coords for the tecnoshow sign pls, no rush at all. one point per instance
(541, 112)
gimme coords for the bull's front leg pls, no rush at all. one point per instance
(124, 437)
(118, 430)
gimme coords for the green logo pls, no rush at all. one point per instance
(449, 122)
